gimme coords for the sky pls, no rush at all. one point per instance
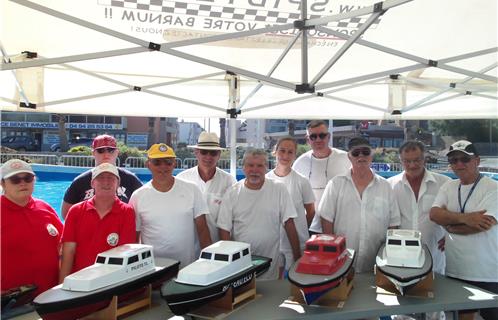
(209, 124)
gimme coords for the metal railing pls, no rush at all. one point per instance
(31, 157)
(139, 162)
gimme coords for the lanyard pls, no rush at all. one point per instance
(462, 209)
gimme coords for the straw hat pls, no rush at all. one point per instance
(208, 141)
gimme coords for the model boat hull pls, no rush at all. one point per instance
(315, 286)
(404, 278)
(183, 298)
(57, 303)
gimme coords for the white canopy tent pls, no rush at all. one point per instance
(397, 59)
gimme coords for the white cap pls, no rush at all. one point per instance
(105, 167)
(15, 166)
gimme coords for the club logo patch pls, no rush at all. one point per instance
(112, 239)
(52, 230)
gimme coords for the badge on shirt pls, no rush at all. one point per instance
(52, 230)
(112, 239)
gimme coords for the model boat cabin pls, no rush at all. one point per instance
(217, 262)
(324, 254)
(404, 249)
(112, 266)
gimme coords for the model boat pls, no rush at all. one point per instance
(18, 296)
(116, 272)
(325, 263)
(403, 259)
(221, 266)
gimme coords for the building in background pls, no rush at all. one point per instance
(188, 132)
(138, 132)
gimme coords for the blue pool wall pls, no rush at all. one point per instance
(55, 172)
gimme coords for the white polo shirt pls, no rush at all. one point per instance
(415, 212)
(212, 191)
(301, 193)
(166, 219)
(363, 221)
(255, 217)
(319, 172)
(472, 257)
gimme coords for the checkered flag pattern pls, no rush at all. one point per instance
(213, 11)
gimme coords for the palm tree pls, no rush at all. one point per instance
(62, 132)
(223, 142)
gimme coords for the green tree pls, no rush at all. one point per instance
(472, 130)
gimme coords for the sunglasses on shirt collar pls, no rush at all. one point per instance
(363, 151)
(322, 136)
(108, 149)
(17, 178)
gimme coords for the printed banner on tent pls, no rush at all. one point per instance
(187, 19)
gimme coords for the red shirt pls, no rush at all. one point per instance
(94, 235)
(30, 244)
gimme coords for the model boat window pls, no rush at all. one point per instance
(221, 257)
(206, 255)
(145, 255)
(329, 249)
(236, 256)
(117, 261)
(394, 242)
(100, 259)
(312, 248)
(412, 243)
(245, 252)
(132, 259)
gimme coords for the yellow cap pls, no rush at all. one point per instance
(160, 150)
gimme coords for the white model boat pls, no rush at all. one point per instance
(116, 272)
(403, 259)
(112, 266)
(221, 266)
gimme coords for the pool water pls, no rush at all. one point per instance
(52, 192)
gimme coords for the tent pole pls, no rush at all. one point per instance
(233, 146)
(304, 44)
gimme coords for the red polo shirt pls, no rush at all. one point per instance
(30, 240)
(94, 235)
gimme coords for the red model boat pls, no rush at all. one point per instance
(323, 266)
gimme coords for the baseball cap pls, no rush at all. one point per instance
(160, 150)
(103, 141)
(15, 166)
(208, 141)
(105, 167)
(463, 146)
(357, 141)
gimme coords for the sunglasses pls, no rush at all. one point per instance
(363, 151)
(17, 178)
(213, 153)
(158, 162)
(108, 149)
(464, 159)
(415, 161)
(322, 136)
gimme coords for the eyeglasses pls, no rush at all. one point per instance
(363, 151)
(158, 162)
(464, 159)
(213, 153)
(17, 178)
(108, 149)
(415, 161)
(322, 136)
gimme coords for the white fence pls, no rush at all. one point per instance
(139, 162)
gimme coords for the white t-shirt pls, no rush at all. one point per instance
(415, 212)
(255, 217)
(166, 219)
(363, 221)
(472, 257)
(212, 191)
(301, 193)
(319, 172)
